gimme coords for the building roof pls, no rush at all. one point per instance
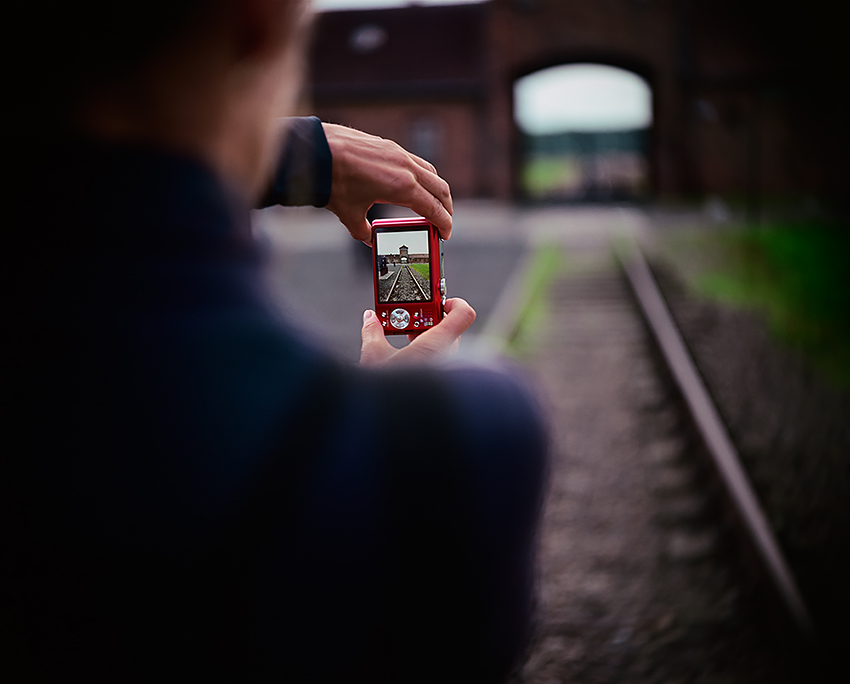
(404, 53)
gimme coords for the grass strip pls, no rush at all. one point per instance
(797, 275)
(545, 265)
(423, 269)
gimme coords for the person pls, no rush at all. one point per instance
(190, 489)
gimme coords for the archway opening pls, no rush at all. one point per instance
(584, 134)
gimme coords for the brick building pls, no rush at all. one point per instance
(439, 79)
(416, 75)
(405, 257)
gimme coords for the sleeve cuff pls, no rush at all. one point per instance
(304, 171)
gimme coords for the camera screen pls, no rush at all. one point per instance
(403, 265)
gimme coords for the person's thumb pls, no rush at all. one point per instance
(374, 348)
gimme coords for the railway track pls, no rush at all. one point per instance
(642, 578)
(406, 285)
(753, 527)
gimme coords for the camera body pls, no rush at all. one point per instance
(410, 290)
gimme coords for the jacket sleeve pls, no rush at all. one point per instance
(304, 171)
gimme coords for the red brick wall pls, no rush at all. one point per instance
(719, 124)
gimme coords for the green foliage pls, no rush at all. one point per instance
(799, 275)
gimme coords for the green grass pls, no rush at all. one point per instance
(423, 269)
(798, 274)
(545, 266)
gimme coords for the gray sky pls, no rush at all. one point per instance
(582, 97)
(416, 241)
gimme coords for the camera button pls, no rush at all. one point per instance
(399, 318)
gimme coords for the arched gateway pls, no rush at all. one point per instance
(440, 80)
(584, 132)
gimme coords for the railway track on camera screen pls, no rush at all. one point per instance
(404, 284)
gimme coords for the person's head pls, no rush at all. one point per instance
(204, 76)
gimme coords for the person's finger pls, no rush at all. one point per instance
(358, 226)
(436, 212)
(460, 311)
(442, 338)
(374, 348)
(426, 204)
(424, 163)
(438, 187)
(434, 197)
(421, 189)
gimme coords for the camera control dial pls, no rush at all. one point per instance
(399, 319)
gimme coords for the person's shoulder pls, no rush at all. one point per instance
(499, 400)
(483, 382)
(496, 404)
(494, 381)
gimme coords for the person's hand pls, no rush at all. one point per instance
(433, 343)
(368, 169)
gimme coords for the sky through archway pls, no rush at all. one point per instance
(584, 132)
(582, 97)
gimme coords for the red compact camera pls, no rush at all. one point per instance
(410, 290)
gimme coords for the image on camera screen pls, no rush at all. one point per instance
(404, 269)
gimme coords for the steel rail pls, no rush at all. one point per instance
(392, 287)
(411, 272)
(715, 435)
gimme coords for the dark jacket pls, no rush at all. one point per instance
(190, 488)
